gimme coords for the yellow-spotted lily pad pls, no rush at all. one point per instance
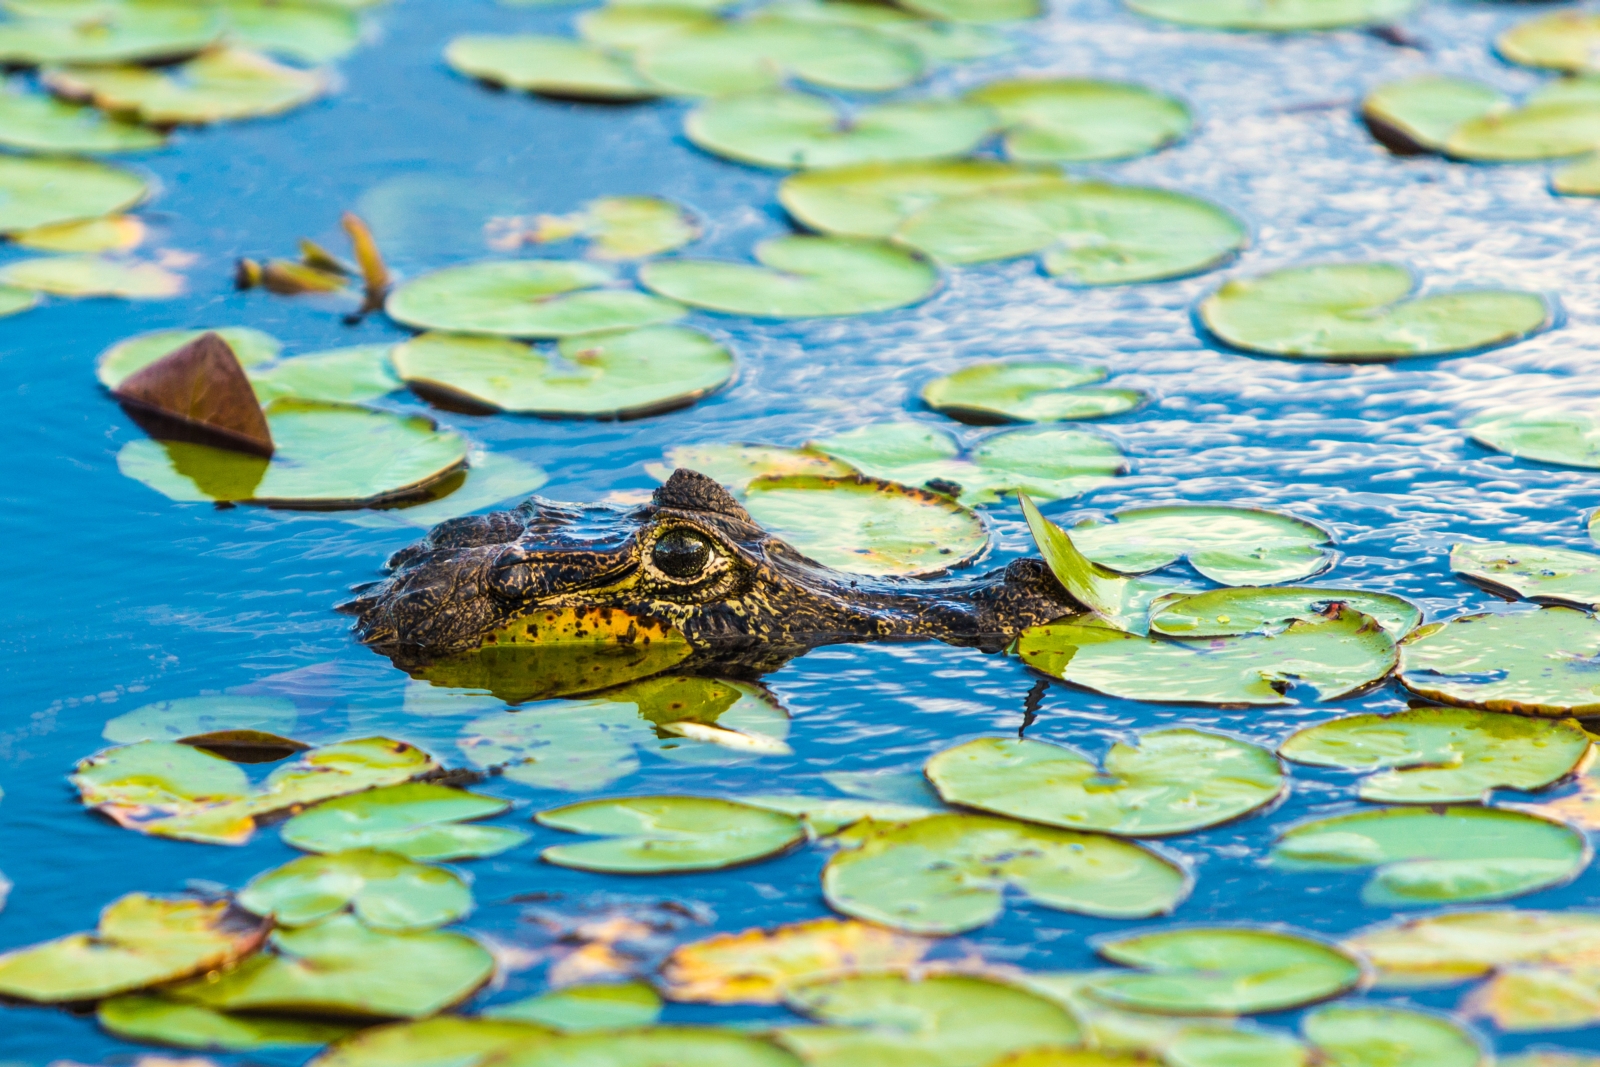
(91, 275)
(621, 227)
(1560, 40)
(657, 835)
(763, 966)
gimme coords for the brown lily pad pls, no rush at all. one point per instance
(198, 393)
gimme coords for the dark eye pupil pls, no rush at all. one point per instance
(681, 554)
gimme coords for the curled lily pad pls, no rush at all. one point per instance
(1560, 40)
(328, 456)
(1420, 114)
(141, 941)
(1562, 438)
(1252, 609)
(657, 835)
(442, 1041)
(1287, 16)
(552, 66)
(949, 873)
(1451, 947)
(216, 86)
(342, 375)
(1530, 663)
(418, 820)
(1360, 1035)
(627, 374)
(1222, 971)
(1049, 463)
(1438, 855)
(118, 34)
(1088, 233)
(251, 347)
(601, 1006)
(1036, 391)
(622, 227)
(1533, 572)
(1365, 312)
(174, 720)
(873, 199)
(795, 131)
(648, 1046)
(1234, 546)
(158, 1020)
(1334, 656)
(1076, 120)
(41, 192)
(91, 275)
(1165, 782)
(763, 966)
(110, 233)
(866, 525)
(42, 124)
(759, 53)
(339, 967)
(1442, 755)
(799, 277)
(525, 298)
(385, 891)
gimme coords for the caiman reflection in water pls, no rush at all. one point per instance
(554, 598)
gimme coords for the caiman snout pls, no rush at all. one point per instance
(530, 575)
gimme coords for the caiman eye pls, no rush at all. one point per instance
(681, 553)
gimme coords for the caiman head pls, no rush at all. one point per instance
(691, 561)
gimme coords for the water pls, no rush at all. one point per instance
(118, 597)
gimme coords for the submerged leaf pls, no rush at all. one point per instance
(764, 966)
(656, 835)
(111, 233)
(174, 720)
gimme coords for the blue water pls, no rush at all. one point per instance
(117, 597)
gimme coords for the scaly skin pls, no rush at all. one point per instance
(756, 601)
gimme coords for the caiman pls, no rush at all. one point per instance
(690, 571)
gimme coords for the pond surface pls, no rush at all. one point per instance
(117, 597)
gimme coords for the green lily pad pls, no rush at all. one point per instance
(975, 10)
(119, 34)
(1234, 546)
(41, 124)
(1098, 589)
(1222, 971)
(829, 815)
(385, 891)
(158, 1020)
(762, 966)
(1373, 1036)
(1365, 313)
(865, 525)
(1561, 119)
(490, 478)
(873, 199)
(1167, 782)
(1076, 120)
(1420, 114)
(418, 820)
(799, 277)
(623, 375)
(1049, 463)
(141, 941)
(550, 66)
(933, 1021)
(1577, 179)
(1451, 947)
(220, 85)
(625, 27)
(1282, 16)
(109, 233)
(525, 298)
(328, 456)
(1561, 438)
(1035, 391)
(758, 53)
(91, 275)
(1442, 755)
(443, 1041)
(1438, 855)
(604, 1006)
(41, 192)
(1533, 572)
(251, 347)
(1253, 609)
(1088, 233)
(342, 375)
(949, 873)
(1204, 1047)
(1335, 656)
(1560, 40)
(16, 301)
(947, 40)
(622, 227)
(1529, 663)
(174, 720)
(307, 32)
(1538, 998)
(703, 1046)
(658, 835)
(793, 131)
(737, 465)
(339, 967)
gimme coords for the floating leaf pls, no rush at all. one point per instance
(1560, 40)
(1285, 16)
(1543, 575)
(799, 277)
(703, 1046)
(525, 298)
(759, 53)
(1076, 120)
(657, 835)
(825, 815)
(866, 526)
(625, 27)
(158, 1020)
(763, 966)
(42, 192)
(620, 375)
(949, 41)
(1234, 546)
(220, 85)
(417, 820)
(385, 891)
(91, 275)
(1578, 179)
(948, 873)
(41, 124)
(307, 32)
(1438, 855)
(116, 34)
(1035, 391)
(1419, 114)
(112, 233)
(328, 456)
(552, 66)
(342, 375)
(1540, 998)
(141, 940)
(1203, 1047)
(198, 393)
(1442, 755)
(1364, 313)
(250, 347)
(736, 466)
(605, 1006)
(1530, 663)
(1222, 971)
(1049, 463)
(444, 1041)
(873, 199)
(1361, 1036)
(174, 720)
(1167, 782)
(1562, 438)
(1562, 118)
(341, 968)
(1549, 1059)
(1088, 233)
(16, 301)
(796, 131)
(490, 479)
(1452, 947)
(622, 227)
(1253, 609)
(974, 10)
(1335, 656)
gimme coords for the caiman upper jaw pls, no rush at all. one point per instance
(522, 575)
